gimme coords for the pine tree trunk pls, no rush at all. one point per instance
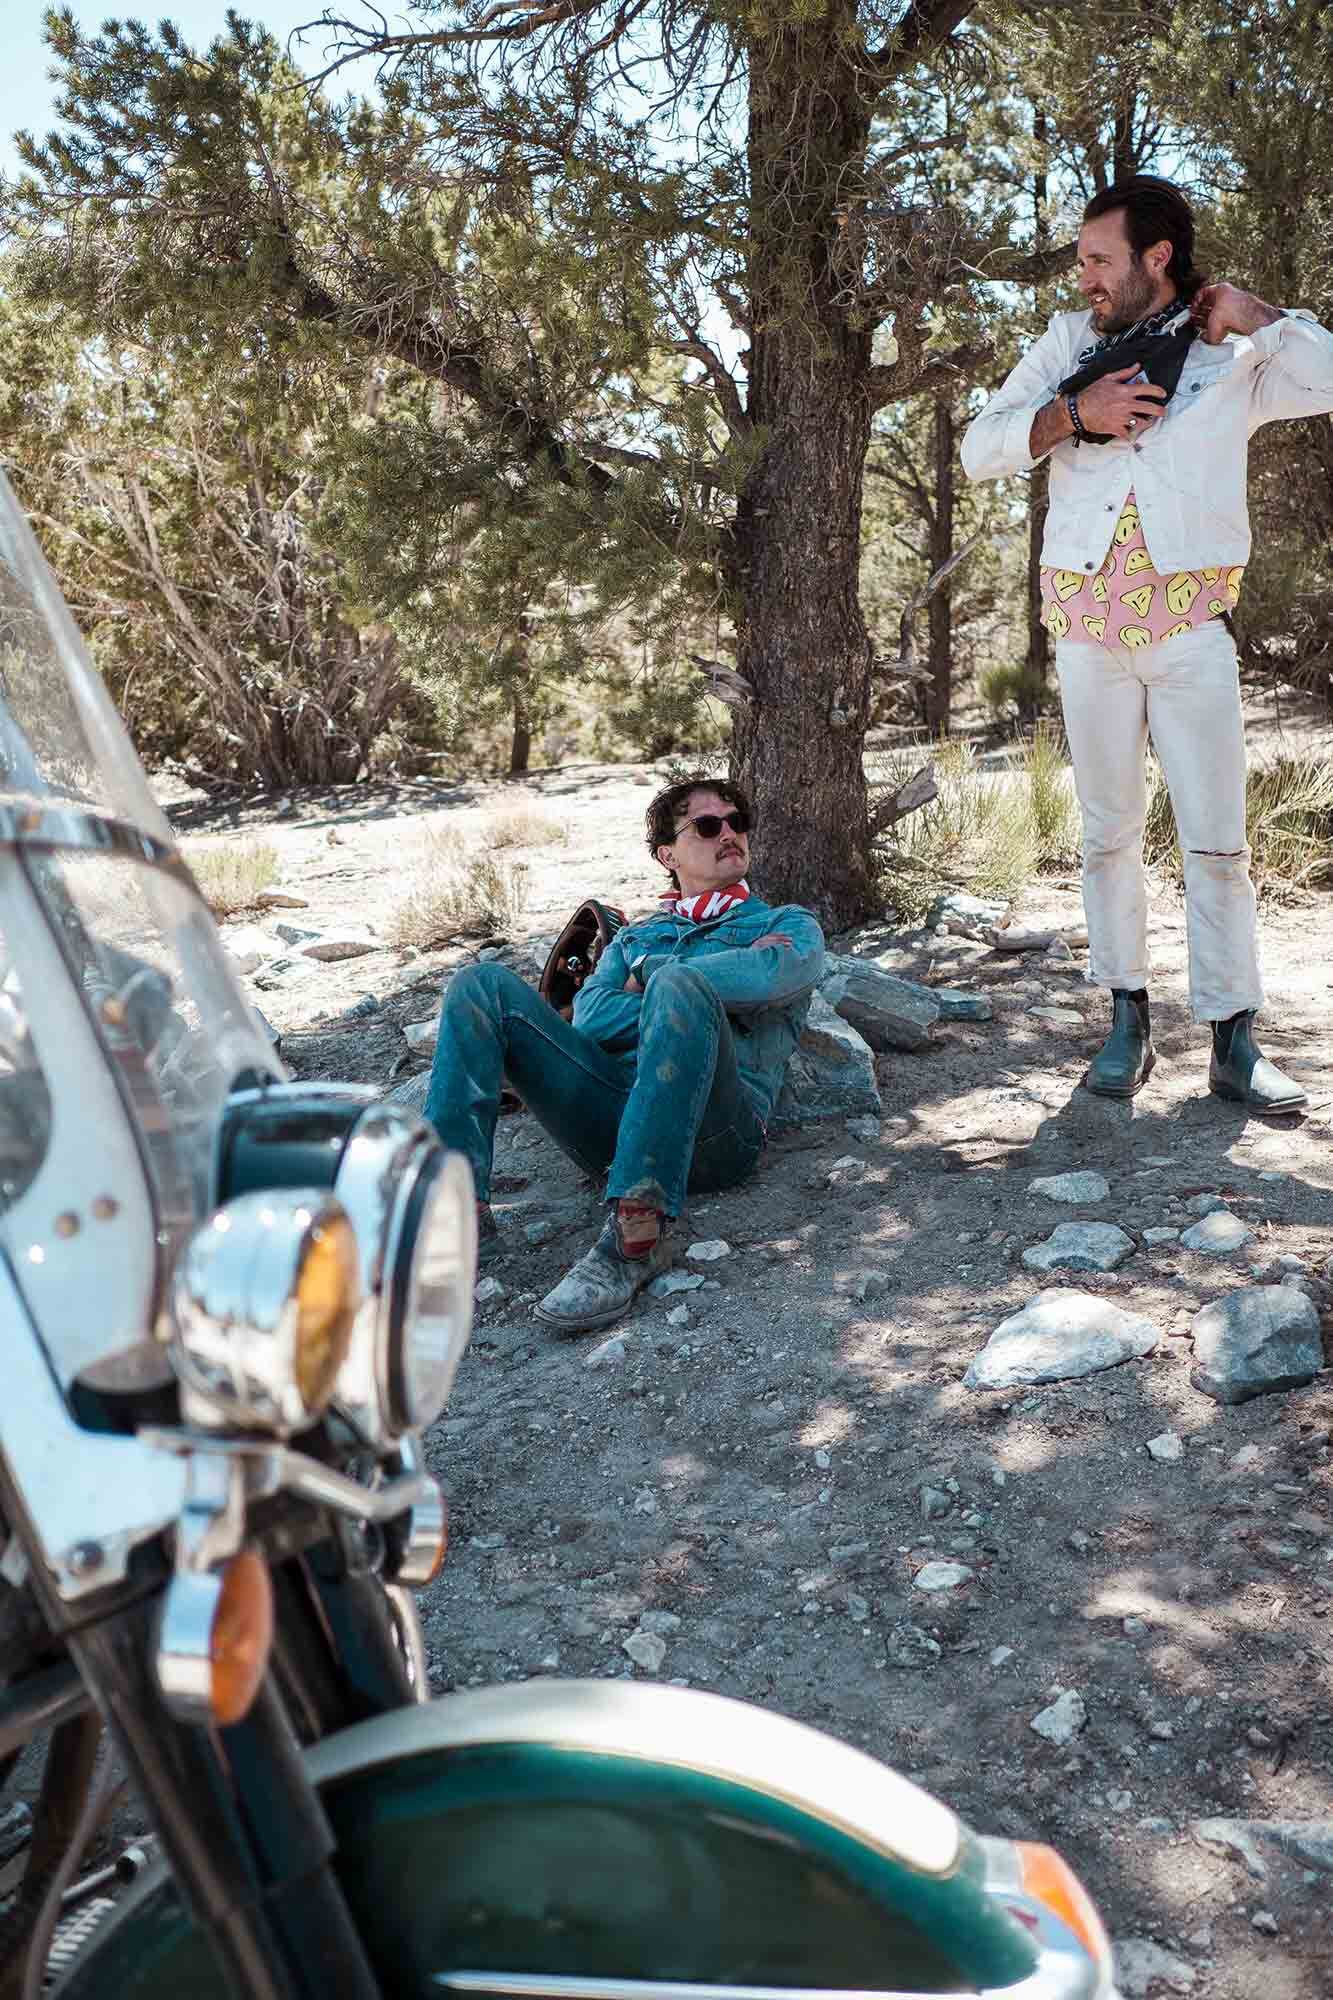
(939, 688)
(794, 568)
(520, 741)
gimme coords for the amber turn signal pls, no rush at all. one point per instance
(1053, 1883)
(242, 1636)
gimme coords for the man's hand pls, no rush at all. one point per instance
(631, 985)
(1218, 310)
(770, 937)
(1110, 405)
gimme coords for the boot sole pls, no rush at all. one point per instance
(1273, 1110)
(1132, 1090)
(583, 1325)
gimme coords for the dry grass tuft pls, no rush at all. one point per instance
(523, 826)
(232, 878)
(455, 893)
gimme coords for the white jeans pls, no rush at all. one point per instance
(1185, 694)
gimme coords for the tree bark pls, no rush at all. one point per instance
(939, 688)
(802, 642)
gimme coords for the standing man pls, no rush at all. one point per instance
(1145, 404)
(667, 1075)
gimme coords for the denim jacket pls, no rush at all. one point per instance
(1187, 471)
(766, 993)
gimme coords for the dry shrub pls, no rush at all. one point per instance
(523, 826)
(988, 829)
(454, 893)
(231, 878)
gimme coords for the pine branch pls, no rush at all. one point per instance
(925, 27)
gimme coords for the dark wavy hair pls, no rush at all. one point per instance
(664, 810)
(1155, 211)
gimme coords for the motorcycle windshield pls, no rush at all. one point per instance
(97, 908)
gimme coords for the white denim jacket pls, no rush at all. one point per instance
(1187, 472)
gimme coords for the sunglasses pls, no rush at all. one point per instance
(709, 825)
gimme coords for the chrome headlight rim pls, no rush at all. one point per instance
(237, 1307)
(393, 1169)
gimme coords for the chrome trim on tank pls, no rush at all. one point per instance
(1056, 1977)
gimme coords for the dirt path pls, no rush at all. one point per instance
(775, 1456)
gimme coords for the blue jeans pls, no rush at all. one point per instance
(670, 1115)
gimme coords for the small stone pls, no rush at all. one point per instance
(1218, 1234)
(1001, 1655)
(1081, 1246)
(1307, 1843)
(678, 1316)
(608, 1353)
(646, 1649)
(1150, 1823)
(1057, 952)
(1142, 1966)
(956, 1005)
(645, 1501)
(942, 1576)
(332, 946)
(1086, 1186)
(858, 1610)
(1265, 1921)
(934, 1504)
(1080, 1542)
(248, 947)
(421, 1036)
(709, 1251)
(1162, 1732)
(848, 1552)
(1248, 1455)
(908, 1646)
(489, 1292)
(663, 1622)
(1254, 1342)
(488, 1543)
(1155, 1236)
(1134, 1628)
(1057, 1017)
(866, 1129)
(1204, 1204)
(1059, 1336)
(869, 1285)
(1061, 1721)
(1168, 1447)
(822, 1459)
(675, 1281)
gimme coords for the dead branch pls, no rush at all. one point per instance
(726, 684)
(909, 797)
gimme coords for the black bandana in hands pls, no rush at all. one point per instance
(1158, 344)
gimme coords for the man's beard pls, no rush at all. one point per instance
(1131, 301)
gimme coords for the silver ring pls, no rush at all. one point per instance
(1132, 424)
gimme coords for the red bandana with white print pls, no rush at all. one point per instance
(712, 903)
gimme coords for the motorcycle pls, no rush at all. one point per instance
(230, 1307)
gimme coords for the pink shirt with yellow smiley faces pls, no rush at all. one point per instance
(1128, 604)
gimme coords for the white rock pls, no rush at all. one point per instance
(942, 1576)
(1057, 1017)
(846, 1164)
(1141, 1965)
(645, 1501)
(1204, 1204)
(248, 947)
(675, 1281)
(422, 1036)
(1080, 1246)
(646, 1649)
(490, 1291)
(295, 933)
(663, 1622)
(1059, 1336)
(1085, 1186)
(1248, 1454)
(1000, 1655)
(1168, 1446)
(1218, 1234)
(608, 1353)
(1156, 1236)
(709, 1251)
(1062, 1720)
(678, 1316)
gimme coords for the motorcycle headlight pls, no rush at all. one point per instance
(263, 1302)
(413, 1211)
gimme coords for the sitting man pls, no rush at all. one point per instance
(673, 1060)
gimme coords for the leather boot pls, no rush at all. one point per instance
(488, 1234)
(604, 1283)
(1239, 1071)
(1123, 1063)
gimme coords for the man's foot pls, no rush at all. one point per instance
(1123, 1063)
(608, 1278)
(1239, 1071)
